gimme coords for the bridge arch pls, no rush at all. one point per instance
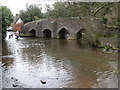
(47, 33)
(79, 34)
(32, 32)
(63, 33)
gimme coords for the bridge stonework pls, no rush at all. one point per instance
(71, 25)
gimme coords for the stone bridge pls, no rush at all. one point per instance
(61, 27)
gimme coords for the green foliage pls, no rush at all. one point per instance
(92, 33)
(7, 19)
(32, 13)
(104, 20)
(106, 11)
(103, 10)
(61, 9)
(91, 37)
(79, 9)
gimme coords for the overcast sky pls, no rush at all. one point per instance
(16, 5)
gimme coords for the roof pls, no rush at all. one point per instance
(19, 21)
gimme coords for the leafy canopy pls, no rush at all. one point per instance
(32, 13)
(5, 20)
(78, 9)
(7, 17)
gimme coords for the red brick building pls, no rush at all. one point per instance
(18, 24)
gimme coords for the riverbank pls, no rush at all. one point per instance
(109, 44)
(24, 35)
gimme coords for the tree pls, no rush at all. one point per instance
(105, 11)
(32, 13)
(7, 19)
(60, 9)
(79, 9)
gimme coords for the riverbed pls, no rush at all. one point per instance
(60, 63)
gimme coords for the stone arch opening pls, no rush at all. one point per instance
(79, 34)
(32, 33)
(63, 33)
(47, 33)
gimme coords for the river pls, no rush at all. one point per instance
(59, 63)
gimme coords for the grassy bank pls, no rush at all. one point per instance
(24, 35)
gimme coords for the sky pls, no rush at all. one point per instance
(16, 5)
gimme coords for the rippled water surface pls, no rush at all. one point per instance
(59, 63)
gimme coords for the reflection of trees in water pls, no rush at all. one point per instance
(62, 42)
(5, 49)
(7, 62)
(79, 44)
(7, 59)
(31, 51)
(59, 58)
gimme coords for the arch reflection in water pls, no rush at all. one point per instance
(59, 63)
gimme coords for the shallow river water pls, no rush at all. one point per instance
(59, 63)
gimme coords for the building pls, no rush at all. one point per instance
(17, 24)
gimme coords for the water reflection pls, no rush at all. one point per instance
(7, 57)
(60, 63)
